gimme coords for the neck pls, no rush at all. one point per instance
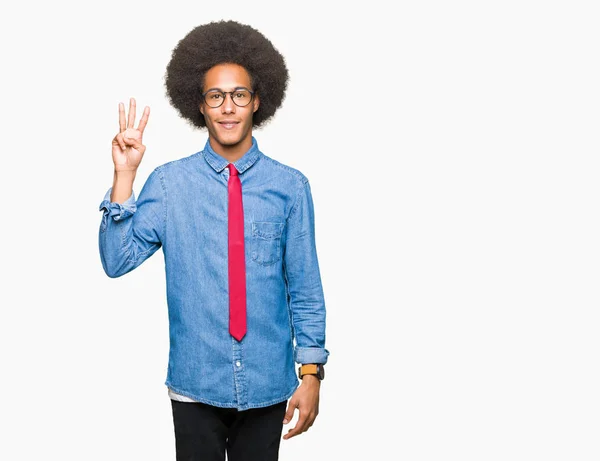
(231, 152)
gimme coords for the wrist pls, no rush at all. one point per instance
(122, 185)
(125, 173)
(311, 379)
(312, 369)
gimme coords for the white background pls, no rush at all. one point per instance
(452, 149)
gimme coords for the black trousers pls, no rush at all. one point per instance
(204, 432)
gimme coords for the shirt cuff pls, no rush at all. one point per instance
(116, 210)
(311, 355)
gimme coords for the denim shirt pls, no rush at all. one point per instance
(182, 208)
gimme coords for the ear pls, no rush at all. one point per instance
(201, 107)
(256, 103)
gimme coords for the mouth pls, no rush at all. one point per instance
(228, 124)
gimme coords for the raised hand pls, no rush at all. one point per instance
(127, 147)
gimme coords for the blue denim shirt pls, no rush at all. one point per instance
(182, 208)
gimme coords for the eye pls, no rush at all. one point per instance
(213, 95)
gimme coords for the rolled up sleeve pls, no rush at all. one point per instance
(303, 280)
(117, 211)
(132, 231)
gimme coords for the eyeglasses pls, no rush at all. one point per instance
(240, 96)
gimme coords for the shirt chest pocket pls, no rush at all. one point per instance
(265, 244)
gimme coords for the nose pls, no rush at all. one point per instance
(228, 106)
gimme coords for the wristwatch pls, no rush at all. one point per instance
(316, 369)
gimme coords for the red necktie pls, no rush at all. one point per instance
(237, 262)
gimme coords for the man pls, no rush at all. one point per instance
(236, 227)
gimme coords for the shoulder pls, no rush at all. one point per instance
(178, 164)
(286, 171)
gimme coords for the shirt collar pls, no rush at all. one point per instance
(242, 164)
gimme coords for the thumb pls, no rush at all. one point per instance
(289, 414)
(132, 142)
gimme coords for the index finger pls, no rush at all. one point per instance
(299, 428)
(144, 119)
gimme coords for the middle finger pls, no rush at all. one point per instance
(122, 126)
(131, 120)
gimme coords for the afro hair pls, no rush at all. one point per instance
(225, 42)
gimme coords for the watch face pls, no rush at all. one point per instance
(320, 371)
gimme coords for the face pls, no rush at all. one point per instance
(229, 126)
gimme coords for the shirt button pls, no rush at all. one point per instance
(238, 363)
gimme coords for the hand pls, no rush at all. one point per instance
(127, 147)
(306, 399)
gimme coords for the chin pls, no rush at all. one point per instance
(229, 141)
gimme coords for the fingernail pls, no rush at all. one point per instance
(285, 421)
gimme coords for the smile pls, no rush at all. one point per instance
(228, 125)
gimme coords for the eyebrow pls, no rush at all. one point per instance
(236, 88)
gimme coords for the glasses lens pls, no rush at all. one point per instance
(214, 98)
(241, 97)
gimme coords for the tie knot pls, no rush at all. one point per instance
(232, 170)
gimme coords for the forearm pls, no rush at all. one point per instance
(122, 185)
(307, 303)
(131, 231)
(117, 247)
(124, 246)
(309, 319)
(114, 254)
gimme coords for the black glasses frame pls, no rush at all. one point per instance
(230, 93)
